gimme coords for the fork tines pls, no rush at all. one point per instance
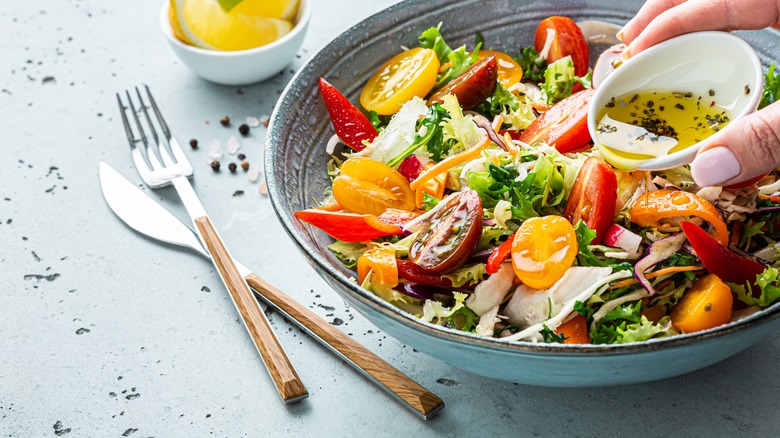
(158, 158)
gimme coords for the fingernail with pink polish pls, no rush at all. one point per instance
(715, 166)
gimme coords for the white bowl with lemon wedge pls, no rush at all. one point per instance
(235, 42)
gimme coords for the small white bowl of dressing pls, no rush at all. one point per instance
(653, 111)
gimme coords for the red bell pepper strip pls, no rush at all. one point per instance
(499, 255)
(348, 227)
(350, 124)
(725, 264)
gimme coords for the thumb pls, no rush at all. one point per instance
(748, 147)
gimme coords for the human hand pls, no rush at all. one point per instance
(748, 147)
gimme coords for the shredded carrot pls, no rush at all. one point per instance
(736, 233)
(775, 199)
(658, 273)
(450, 162)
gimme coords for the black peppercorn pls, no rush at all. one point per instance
(244, 129)
(232, 167)
(194, 143)
(215, 166)
(241, 156)
(225, 120)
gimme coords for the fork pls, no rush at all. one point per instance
(173, 168)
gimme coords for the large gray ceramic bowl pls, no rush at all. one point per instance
(295, 172)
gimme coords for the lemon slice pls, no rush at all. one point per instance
(206, 25)
(282, 9)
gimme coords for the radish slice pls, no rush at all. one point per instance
(621, 237)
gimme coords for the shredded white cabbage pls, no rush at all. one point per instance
(398, 134)
(532, 332)
(492, 291)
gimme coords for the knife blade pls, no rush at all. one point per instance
(144, 215)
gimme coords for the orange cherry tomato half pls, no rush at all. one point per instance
(707, 304)
(408, 74)
(564, 125)
(381, 262)
(663, 209)
(509, 71)
(568, 40)
(593, 197)
(369, 186)
(543, 249)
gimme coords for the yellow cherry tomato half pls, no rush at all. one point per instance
(408, 74)
(543, 249)
(368, 186)
(509, 71)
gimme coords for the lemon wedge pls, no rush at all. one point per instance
(204, 24)
(282, 9)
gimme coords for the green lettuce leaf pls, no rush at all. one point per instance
(491, 236)
(533, 68)
(558, 80)
(626, 324)
(438, 313)
(348, 252)
(471, 274)
(769, 285)
(431, 39)
(461, 61)
(771, 92)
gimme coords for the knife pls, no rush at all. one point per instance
(141, 213)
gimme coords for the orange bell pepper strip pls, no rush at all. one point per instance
(380, 261)
(653, 209)
(434, 187)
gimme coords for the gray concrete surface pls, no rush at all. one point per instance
(104, 333)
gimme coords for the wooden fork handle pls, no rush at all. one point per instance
(424, 402)
(278, 364)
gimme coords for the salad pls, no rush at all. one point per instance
(471, 196)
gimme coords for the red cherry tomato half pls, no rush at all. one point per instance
(473, 86)
(415, 274)
(564, 125)
(593, 197)
(451, 234)
(568, 40)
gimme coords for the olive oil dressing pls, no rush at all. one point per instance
(650, 124)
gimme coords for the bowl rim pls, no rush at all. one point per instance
(686, 155)
(587, 351)
(303, 17)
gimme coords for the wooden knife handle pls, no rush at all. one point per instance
(276, 361)
(424, 402)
